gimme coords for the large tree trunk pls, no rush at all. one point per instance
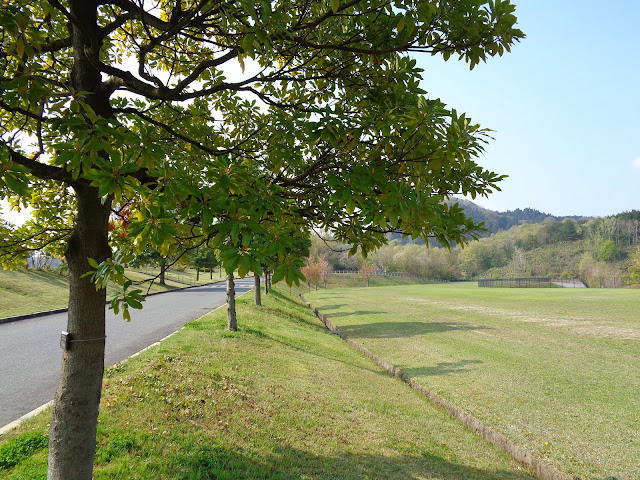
(256, 289)
(232, 321)
(72, 436)
(197, 274)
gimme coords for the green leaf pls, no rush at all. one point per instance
(247, 45)
(278, 275)
(134, 303)
(137, 294)
(335, 5)
(15, 184)
(245, 264)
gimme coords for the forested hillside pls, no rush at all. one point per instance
(494, 221)
(602, 251)
(497, 221)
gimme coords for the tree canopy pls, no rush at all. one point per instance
(238, 114)
(214, 122)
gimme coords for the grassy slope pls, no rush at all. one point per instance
(25, 291)
(281, 399)
(28, 291)
(557, 370)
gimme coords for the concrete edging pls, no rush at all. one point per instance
(540, 467)
(26, 316)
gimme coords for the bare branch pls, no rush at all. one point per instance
(139, 13)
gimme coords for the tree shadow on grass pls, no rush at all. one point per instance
(333, 358)
(441, 368)
(56, 280)
(355, 313)
(403, 329)
(206, 462)
(326, 308)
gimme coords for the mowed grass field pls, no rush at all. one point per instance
(280, 399)
(556, 370)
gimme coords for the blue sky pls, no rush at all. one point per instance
(564, 104)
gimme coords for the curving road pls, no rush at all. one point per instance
(30, 353)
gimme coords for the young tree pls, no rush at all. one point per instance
(203, 258)
(257, 299)
(116, 104)
(633, 275)
(368, 271)
(311, 272)
(608, 251)
(325, 269)
(152, 257)
(298, 248)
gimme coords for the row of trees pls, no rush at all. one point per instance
(317, 270)
(234, 125)
(598, 250)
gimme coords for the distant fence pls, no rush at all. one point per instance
(516, 282)
(396, 274)
(532, 283)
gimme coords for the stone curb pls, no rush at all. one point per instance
(540, 467)
(27, 316)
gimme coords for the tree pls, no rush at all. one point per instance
(232, 319)
(325, 269)
(368, 271)
(204, 258)
(122, 105)
(608, 251)
(633, 277)
(152, 257)
(311, 272)
(298, 248)
(257, 299)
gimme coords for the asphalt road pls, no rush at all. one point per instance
(30, 354)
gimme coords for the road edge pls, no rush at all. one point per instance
(34, 412)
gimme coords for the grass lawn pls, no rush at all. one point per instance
(280, 399)
(27, 291)
(556, 370)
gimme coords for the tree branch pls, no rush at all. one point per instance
(42, 170)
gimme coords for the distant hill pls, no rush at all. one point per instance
(498, 221)
(493, 221)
